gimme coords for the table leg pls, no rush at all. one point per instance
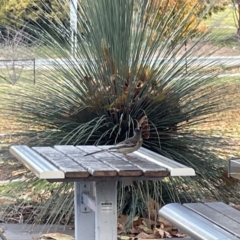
(106, 210)
(84, 217)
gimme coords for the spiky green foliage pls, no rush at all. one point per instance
(123, 67)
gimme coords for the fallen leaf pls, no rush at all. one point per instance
(120, 228)
(137, 221)
(72, 227)
(56, 236)
(165, 222)
(229, 181)
(237, 206)
(153, 208)
(148, 222)
(145, 236)
(146, 229)
(176, 233)
(161, 232)
(133, 230)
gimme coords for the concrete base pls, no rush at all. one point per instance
(28, 232)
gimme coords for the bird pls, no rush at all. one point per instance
(127, 146)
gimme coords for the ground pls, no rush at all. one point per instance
(231, 122)
(215, 51)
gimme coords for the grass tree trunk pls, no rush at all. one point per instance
(238, 20)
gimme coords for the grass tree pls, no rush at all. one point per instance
(129, 62)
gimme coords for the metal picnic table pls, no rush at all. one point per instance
(95, 179)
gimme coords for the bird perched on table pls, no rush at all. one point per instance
(127, 146)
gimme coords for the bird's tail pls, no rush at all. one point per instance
(94, 152)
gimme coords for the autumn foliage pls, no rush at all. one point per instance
(180, 10)
(20, 12)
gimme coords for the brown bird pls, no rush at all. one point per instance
(127, 146)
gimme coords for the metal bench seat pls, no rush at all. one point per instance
(234, 168)
(204, 221)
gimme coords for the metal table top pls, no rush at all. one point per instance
(70, 162)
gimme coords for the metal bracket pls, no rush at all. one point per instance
(85, 189)
(88, 201)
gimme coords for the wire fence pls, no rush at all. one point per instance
(12, 70)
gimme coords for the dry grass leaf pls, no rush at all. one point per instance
(7, 200)
(153, 209)
(145, 127)
(142, 120)
(153, 214)
(153, 204)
